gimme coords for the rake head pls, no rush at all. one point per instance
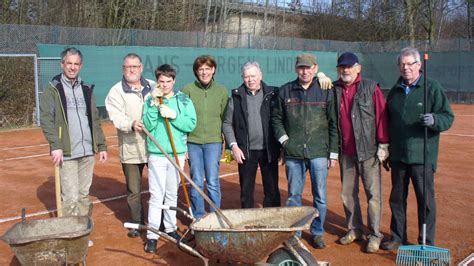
(423, 255)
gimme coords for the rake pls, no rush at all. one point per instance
(423, 255)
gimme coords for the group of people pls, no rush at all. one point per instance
(309, 123)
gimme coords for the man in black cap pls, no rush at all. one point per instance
(304, 122)
(364, 145)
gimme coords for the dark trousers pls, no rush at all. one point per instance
(133, 179)
(247, 175)
(401, 176)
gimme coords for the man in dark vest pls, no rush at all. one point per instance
(363, 126)
(248, 131)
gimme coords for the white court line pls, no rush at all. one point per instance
(13, 218)
(36, 145)
(458, 135)
(23, 147)
(24, 157)
(37, 155)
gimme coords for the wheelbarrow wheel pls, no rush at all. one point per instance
(284, 257)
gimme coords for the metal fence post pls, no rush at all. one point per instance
(133, 35)
(197, 39)
(35, 58)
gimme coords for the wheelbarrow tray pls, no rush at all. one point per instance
(255, 233)
(50, 241)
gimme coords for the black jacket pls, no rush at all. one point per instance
(240, 120)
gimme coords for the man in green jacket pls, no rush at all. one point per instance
(407, 121)
(304, 122)
(71, 124)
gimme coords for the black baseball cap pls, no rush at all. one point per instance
(347, 59)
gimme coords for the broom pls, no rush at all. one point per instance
(423, 254)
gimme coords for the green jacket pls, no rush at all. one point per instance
(53, 117)
(308, 119)
(210, 103)
(405, 129)
(184, 123)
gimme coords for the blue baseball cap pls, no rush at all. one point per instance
(347, 59)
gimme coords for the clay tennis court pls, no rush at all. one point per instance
(27, 181)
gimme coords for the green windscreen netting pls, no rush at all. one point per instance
(103, 64)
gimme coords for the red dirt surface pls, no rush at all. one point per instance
(27, 180)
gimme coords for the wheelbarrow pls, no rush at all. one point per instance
(53, 241)
(255, 234)
(242, 235)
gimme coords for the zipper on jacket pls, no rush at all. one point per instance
(305, 151)
(79, 118)
(362, 126)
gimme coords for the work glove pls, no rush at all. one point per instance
(382, 152)
(156, 94)
(427, 120)
(324, 82)
(167, 112)
(227, 158)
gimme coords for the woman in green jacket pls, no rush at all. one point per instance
(205, 142)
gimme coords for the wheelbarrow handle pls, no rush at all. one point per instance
(178, 209)
(180, 244)
(198, 189)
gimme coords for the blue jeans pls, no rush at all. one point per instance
(296, 174)
(204, 162)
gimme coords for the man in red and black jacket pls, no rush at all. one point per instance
(363, 125)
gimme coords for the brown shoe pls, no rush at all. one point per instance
(350, 237)
(390, 245)
(318, 242)
(373, 244)
(133, 233)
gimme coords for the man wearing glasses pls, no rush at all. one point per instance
(124, 104)
(407, 121)
(71, 124)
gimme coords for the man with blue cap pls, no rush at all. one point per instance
(363, 125)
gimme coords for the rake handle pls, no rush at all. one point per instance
(173, 147)
(425, 150)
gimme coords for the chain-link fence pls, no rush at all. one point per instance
(23, 39)
(451, 61)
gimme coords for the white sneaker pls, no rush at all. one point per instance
(90, 244)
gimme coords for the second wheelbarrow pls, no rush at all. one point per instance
(53, 241)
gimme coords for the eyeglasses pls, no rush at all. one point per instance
(132, 67)
(204, 69)
(407, 64)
